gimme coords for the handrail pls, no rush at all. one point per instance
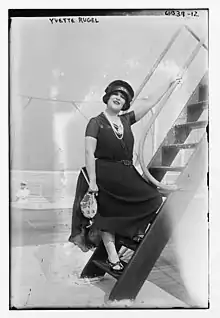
(149, 75)
(146, 172)
(195, 36)
(146, 79)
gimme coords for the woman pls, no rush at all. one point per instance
(126, 201)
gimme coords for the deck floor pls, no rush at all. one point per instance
(43, 234)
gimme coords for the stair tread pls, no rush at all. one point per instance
(103, 265)
(190, 145)
(128, 243)
(203, 103)
(193, 124)
(132, 244)
(168, 168)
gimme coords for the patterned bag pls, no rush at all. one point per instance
(88, 203)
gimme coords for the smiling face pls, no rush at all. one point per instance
(116, 102)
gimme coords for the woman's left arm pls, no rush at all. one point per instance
(146, 104)
(142, 109)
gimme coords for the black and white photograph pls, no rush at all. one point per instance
(109, 158)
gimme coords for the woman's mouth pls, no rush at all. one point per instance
(116, 102)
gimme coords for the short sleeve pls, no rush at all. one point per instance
(130, 117)
(92, 128)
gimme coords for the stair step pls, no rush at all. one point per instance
(199, 105)
(194, 111)
(181, 146)
(132, 245)
(106, 268)
(167, 168)
(193, 125)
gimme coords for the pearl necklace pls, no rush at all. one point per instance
(117, 132)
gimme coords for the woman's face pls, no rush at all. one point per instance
(116, 102)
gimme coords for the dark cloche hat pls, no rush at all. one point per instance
(120, 86)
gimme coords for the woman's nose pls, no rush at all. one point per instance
(118, 96)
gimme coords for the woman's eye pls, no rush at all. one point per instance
(121, 95)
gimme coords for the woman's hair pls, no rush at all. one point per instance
(119, 86)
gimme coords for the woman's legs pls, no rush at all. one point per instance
(109, 242)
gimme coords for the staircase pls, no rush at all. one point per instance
(183, 138)
(183, 154)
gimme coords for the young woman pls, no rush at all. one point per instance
(126, 201)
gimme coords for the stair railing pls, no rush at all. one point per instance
(173, 86)
(164, 52)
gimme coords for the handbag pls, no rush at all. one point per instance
(88, 203)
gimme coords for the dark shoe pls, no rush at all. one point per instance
(113, 265)
(138, 238)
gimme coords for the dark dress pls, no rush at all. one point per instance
(126, 201)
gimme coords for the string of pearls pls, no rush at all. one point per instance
(118, 129)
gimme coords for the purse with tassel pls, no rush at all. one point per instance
(88, 203)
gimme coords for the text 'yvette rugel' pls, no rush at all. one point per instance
(74, 20)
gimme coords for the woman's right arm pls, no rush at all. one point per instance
(90, 147)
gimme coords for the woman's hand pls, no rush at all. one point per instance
(151, 101)
(177, 80)
(93, 186)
